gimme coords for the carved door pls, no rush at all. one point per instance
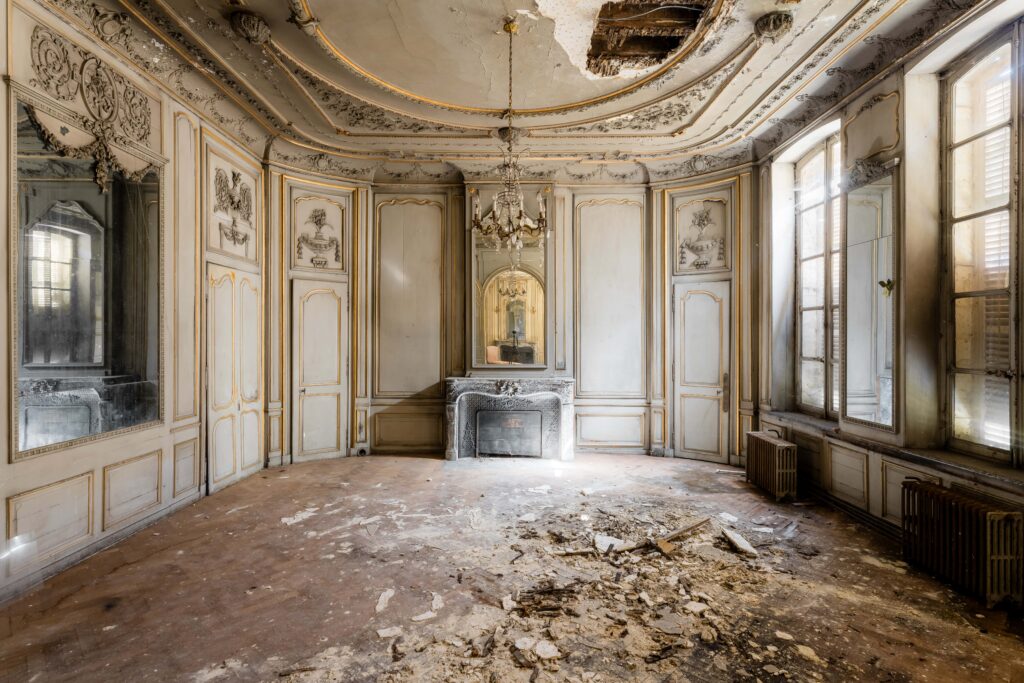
(234, 376)
(702, 332)
(319, 369)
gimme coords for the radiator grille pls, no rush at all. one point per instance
(771, 464)
(973, 544)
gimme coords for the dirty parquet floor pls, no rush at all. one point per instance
(401, 569)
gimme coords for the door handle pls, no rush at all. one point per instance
(725, 392)
(302, 390)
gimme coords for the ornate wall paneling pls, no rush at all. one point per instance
(412, 301)
(233, 236)
(233, 204)
(318, 220)
(611, 320)
(67, 500)
(709, 226)
(187, 267)
(872, 139)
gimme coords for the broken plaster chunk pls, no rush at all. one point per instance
(739, 543)
(694, 607)
(782, 635)
(808, 654)
(525, 643)
(545, 649)
(507, 603)
(382, 601)
(425, 616)
(725, 516)
(646, 599)
(389, 632)
(437, 603)
(528, 517)
(603, 543)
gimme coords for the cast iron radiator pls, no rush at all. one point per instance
(975, 545)
(771, 464)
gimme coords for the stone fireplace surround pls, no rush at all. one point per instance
(553, 397)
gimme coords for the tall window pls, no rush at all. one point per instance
(982, 96)
(818, 278)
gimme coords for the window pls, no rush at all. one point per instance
(818, 243)
(981, 98)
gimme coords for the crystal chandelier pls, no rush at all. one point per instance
(512, 286)
(507, 224)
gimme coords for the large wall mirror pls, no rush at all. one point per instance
(87, 298)
(509, 307)
(869, 293)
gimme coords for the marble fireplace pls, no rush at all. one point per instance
(530, 417)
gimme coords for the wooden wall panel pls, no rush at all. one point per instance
(186, 257)
(604, 428)
(611, 330)
(848, 474)
(186, 467)
(408, 431)
(131, 487)
(49, 520)
(409, 306)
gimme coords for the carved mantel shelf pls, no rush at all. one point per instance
(552, 397)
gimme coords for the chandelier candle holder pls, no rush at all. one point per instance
(507, 225)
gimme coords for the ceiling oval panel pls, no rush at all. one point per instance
(454, 54)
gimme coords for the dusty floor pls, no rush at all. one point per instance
(408, 569)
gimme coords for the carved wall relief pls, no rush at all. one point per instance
(318, 227)
(68, 73)
(872, 129)
(703, 225)
(233, 210)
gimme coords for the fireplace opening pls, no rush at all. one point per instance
(509, 432)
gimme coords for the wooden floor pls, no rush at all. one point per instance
(291, 574)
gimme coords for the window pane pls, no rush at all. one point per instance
(981, 253)
(982, 332)
(812, 334)
(981, 173)
(835, 388)
(834, 334)
(812, 282)
(836, 172)
(812, 232)
(981, 410)
(811, 181)
(836, 279)
(981, 97)
(812, 383)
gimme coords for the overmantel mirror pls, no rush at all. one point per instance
(509, 290)
(85, 295)
(870, 295)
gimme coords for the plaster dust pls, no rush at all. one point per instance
(486, 571)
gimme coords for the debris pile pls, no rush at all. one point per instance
(604, 595)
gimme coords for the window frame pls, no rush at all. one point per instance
(1012, 36)
(830, 147)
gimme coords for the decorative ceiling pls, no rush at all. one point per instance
(426, 80)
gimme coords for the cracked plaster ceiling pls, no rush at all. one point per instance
(428, 78)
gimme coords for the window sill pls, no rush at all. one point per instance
(975, 469)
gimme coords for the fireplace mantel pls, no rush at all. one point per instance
(552, 397)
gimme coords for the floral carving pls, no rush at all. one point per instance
(318, 242)
(55, 73)
(234, 198)
(98, 90)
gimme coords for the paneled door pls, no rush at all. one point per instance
(234, 376)
(319, 369)
(702, 370)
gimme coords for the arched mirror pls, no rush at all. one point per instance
(509, 305)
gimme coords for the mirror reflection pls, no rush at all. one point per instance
(870, 298)
(509, 306)
(88, 296)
